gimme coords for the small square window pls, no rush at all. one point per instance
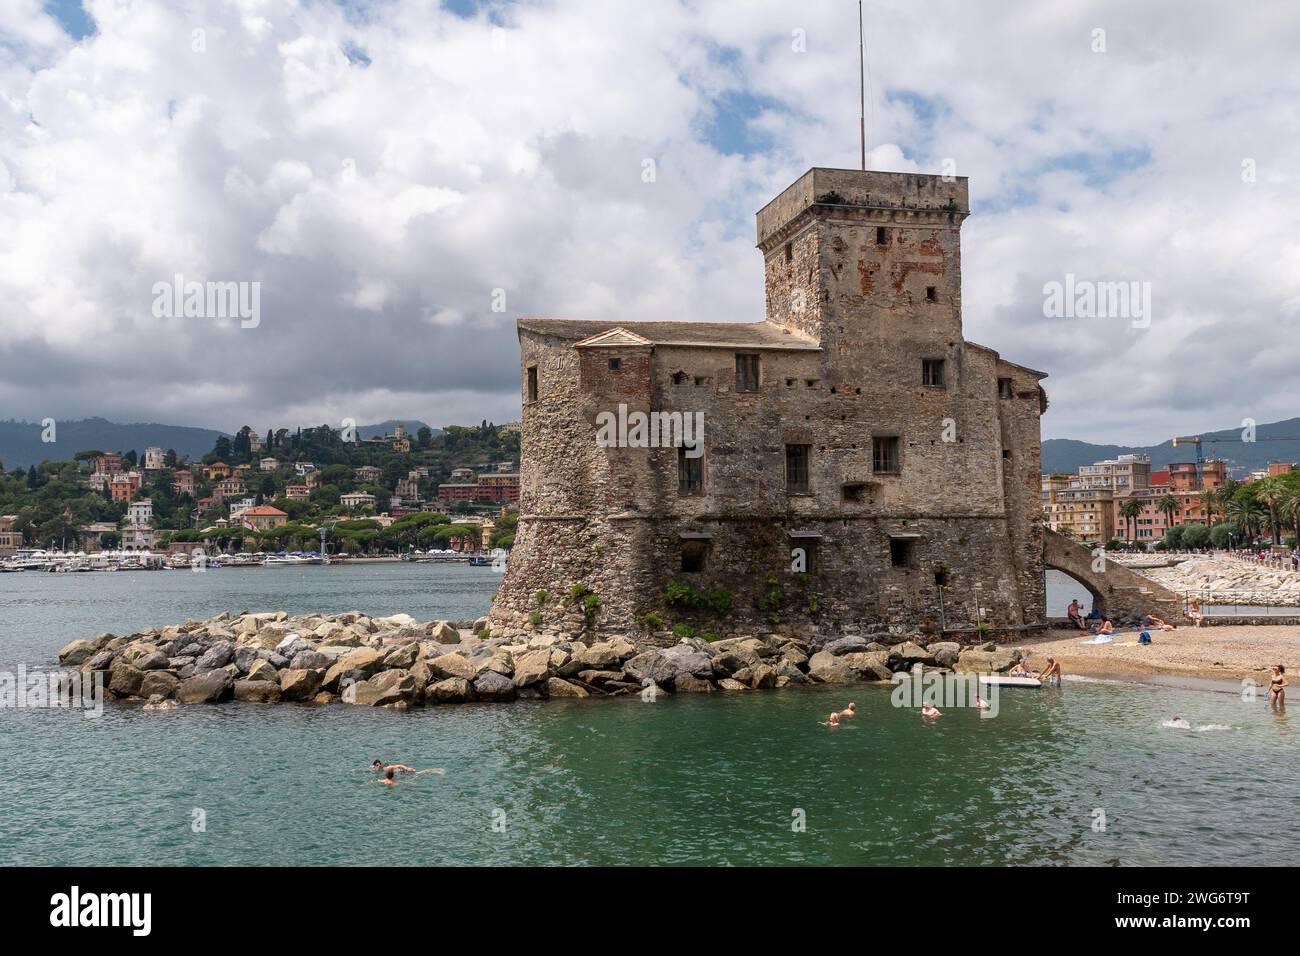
(902, 552)
(1004, 388)
(932, 373)
(615, 364)
(679, 378)
(931, 294)
(796, 469)
(695, 554)
(1006, 454)
(702, 380)
(884, 454)
(855, 491)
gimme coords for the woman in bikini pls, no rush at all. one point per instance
(1277, 687)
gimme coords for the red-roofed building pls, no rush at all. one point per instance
(262, 518)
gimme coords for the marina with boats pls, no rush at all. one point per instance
(55, 561)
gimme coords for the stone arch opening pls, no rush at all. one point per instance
(1061, 585)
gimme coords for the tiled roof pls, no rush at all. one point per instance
(751, 335)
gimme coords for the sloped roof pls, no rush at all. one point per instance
(745, 335)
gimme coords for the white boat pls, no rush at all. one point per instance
(1003, 680)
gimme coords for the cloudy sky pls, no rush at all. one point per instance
(383, 168)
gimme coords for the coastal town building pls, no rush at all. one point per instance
(183, 481)
(153, 459)
(368, 474)
(140, 512)
(10, 540)
(217, 470)
(268, 464)
(108, 464)
(123, 485)
(1117, 474)
(297, 492)
(1185, 476)
(860, 462)
(261, 518)
(228, 488)
(357, 499)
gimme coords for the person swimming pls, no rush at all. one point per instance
(849, 711)
(929, 710)
(388, 778)
(1179, 723)
(379, 767)
(981, 703)
(833, 720)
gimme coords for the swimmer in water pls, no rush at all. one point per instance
(379, 767)
(832, 721)
(1179, 723)
(849, 711)
(981, 703)
(929, 710)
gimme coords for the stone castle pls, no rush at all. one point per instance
(863, 466)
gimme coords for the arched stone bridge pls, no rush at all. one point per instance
(1117, 591)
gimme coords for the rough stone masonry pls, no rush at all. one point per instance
(865, 468)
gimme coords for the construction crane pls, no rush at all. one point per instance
(1200, 456)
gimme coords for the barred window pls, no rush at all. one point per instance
(884, 454)
(932, 372)
(746, 372)
(690, 473)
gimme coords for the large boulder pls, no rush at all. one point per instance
(357, 665)
(77, 653)
(153, 661)
(493, 686)
(763, 677)
(869, 665)
(532, 668)
(310, 660)
(846, 645)
(290, 645)
(907, 654)
(264, 670)
(453, 665)
(556, 687)
(995, 662)
(790, 672)
(686, 684)
(206, 688)
(402, 657)
(453, 690)
(680, 660)
(158, 683)
(444, 633)
(385, 688)
(598, 657)
(300, 684)
(945, 653)
(638, 668)
(125, 679)
(215, 657)
(259, 691)
(829, 669)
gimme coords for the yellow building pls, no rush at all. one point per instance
(262, 518)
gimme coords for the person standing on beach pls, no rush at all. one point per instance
(1277, 687)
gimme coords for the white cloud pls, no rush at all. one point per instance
(380, 205)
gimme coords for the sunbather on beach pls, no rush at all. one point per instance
(1107, 627)
(1075, 613)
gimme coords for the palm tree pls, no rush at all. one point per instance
(1289, 508)
(1168, 506)
(1247, 514)
(1209, 503)
(1129, 511)
(1271, 493)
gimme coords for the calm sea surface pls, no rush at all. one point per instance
(748, 778)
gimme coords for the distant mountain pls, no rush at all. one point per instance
(386, 428)
(21, 445)
(1276, 441)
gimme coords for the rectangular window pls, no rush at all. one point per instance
(1004, 388)
(932, 372)
(803, 555)
(690, 474)
(796, 469)
(931, 294)
(884, 454)
(695, 553)
(882, 235)
(746, 372)
(532, 383)
(615, 364)
(902, 552)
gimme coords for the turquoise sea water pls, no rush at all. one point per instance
(704, 779)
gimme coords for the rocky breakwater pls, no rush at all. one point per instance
(398, 663)
(1225, 580)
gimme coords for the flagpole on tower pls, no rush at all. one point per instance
(862, 92)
